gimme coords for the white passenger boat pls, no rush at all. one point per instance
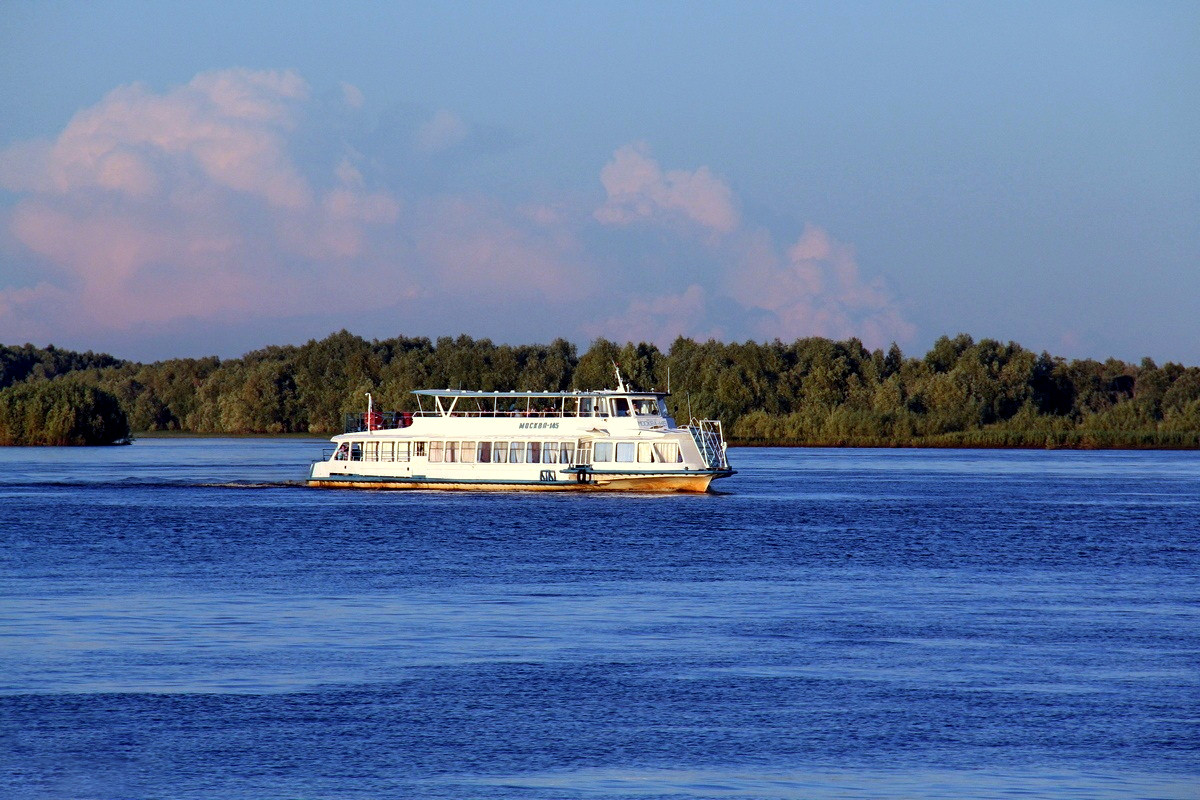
(610, 440)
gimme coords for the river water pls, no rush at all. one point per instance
(182, 619)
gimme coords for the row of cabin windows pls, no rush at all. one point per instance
(502, 452)
(512, 452)
(642, 452)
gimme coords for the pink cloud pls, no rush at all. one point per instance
(228, 127)
(24, 309)
(811, 288)
(152, 206)
(661, 319)
(815, 290)
(638, 189)
(751, 287)
(476, 247)
(155, 208)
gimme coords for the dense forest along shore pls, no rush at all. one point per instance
(813, 392)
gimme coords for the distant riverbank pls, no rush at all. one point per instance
(811, 392)
(1113, 441)
(1075, 441)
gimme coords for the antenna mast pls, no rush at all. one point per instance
(620, 380)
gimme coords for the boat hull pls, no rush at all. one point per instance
(695, 483)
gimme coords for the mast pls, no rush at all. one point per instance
(620, 380)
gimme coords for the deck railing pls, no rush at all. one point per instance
(378, 421)
(390, 420)
(710, 440)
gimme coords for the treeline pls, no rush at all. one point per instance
(811, 391)
(44, 402)
(60, 413)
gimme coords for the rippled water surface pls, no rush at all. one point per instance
(182, 619)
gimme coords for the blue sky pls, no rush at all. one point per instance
(184, 179)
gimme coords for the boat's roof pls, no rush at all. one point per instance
(509, 395)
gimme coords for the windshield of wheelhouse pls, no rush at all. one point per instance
(646, 407)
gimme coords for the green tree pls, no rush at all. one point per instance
(60, 412)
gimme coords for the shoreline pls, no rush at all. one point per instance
(882, 444)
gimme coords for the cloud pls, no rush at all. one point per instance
(227, 128)
(743, 284)
(240, 201)
(638, 189)
(660, 319)
(150, 206)
(815, 289)
(443, 131)
(478, 249)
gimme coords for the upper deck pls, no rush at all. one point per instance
(450, 403)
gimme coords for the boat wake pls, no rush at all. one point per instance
(252, 485)
(157, 483)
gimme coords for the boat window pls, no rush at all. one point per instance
(645, 406)
(343, 452)
(500, 453)
(600, 407)
(484, 454)
(662, 408)
(356, 451)
(584, 456)
(435, 451)
(467, 452)
(386, 451)
(533, 452)
(667, 452)
(372, 451)
(516, 453)
(624, 451)
(604, 451)
(645, 452)
(566, 452)
(451, 452)
(549, 452)
(419, 449)
(620, 407)
(402, 450)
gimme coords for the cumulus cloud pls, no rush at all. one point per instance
(150, 206)
(239, 197)
(638, 189)
(748, 285)
(227, 128)
(816, 289)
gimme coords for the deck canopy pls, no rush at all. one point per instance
(617, 402)
(473, 395)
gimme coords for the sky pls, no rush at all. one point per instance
(186, 179)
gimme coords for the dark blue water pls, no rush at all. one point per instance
(181, 619)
